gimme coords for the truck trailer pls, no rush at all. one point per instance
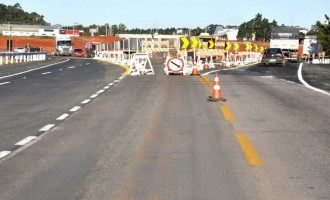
(286, 38)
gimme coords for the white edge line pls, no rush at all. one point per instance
(74, 109)
(46, 128)
(94, 96)
(33, 69)
(4, 153)
(4, 83)
(63, 117)
(306, 84)
(25, 140)
(86, 101)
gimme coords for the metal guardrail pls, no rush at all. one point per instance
(10, 58)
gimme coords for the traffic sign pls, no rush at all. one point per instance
(175, 64)
(247, 46)
(256, 47)
(227, 46)
(236, 46)
(211, 44)
(184, 43)
(262, 49)
(194, 43)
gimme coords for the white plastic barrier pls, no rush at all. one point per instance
(21, 57)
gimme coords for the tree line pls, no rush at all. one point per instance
(16, 15)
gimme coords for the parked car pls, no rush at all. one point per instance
(273, 56)
(78, 53)
(19, 50)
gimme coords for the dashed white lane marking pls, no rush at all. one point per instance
(74, 109)
(25, 140)
(62, 117)
(106, 87)
(47, 127)
(86, 101)
(61, 69)
(121, 77)
(111, 84)
(306, 84)
(46, 73)
(116, 81)
(71, 67)
(100, 91)
(94, 96)
(4, 153)
(87, 64)
(4, 83)
(33, 69)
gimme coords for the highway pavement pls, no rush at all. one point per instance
(157, 137)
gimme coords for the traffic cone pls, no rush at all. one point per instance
(206, 65)
(195, 70)
(216, 96)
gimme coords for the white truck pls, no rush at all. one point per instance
(63, 46)
(286, 38)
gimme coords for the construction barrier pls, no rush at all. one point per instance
(11, 58)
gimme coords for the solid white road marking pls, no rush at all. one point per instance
(25, 140)
(86, 101)
(47, 127)
(306, 84)
(94, 96)
(46, 73)
(4, 83)
(74, 109)
(100, 91)
(4, 153)
(33, 69)
(62, 117)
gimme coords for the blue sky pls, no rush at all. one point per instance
(175, 13)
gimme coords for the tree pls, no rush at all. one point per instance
(257, 28)
(323, 34)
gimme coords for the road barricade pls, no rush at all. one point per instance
(11, 58)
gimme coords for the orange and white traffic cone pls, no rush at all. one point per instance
(206, 65)
(224, 61)
(195, 70)
(216, 96)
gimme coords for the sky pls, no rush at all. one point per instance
(146, 14)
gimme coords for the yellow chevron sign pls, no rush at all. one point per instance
(194, 43)
(261, 49)
(200, 44)
(211, 44)
(185, 43)
(247, 46)
(227, 46)
(236, 46)
(256, 47)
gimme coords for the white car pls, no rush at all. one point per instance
(19, 50)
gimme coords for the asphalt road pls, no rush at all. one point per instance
(156, 137)
(31, 100)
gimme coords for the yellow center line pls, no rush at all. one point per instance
(203, 82)
(250, 155)
(207, 80)
(227, 114)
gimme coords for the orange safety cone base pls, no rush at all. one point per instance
(211, 99)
